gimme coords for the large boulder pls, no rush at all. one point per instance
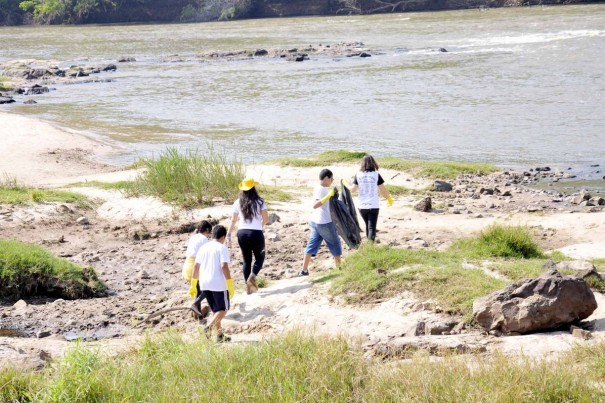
(548, 302)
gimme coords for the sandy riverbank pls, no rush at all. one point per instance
(144, 275)
(37, 153)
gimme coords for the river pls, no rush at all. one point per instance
(516, 87)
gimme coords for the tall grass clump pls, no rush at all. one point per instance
(297, 367)
(27, 270)
(501, 241)
(190, 178)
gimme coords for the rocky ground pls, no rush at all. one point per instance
(137, 247)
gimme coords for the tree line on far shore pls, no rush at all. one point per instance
(24, 12)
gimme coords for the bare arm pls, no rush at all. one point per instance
(196, 271)
(354, 188)
(233, 221)
(265, 217)
(226, 271)
(383, 191)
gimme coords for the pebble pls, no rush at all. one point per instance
(83, 221)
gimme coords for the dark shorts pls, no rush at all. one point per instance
(218, 300)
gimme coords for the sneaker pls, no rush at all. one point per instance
(223, 338)
(207, 332)
(303, 273)
(251, 284)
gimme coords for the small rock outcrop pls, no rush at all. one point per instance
(531, 305)
(424, 205)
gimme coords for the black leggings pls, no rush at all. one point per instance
(370, 217)
(251, 241)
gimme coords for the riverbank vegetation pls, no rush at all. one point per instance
(300, 367)
(29, 270)
(190, 179)
(422, 169)
(452, 279)
(11, 192)
(16, 12)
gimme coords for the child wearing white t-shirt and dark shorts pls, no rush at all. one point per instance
(212, 271)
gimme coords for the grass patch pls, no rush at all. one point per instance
(376, 272)
(295, 367)
(425, 169)
(435, 169)
(119, 185)
(27, 270)
(500, 241)
(5, 84)
(452, 279)
(191, 178)
(11, 192)
(323, 159)
(274, 193)
(396, 190)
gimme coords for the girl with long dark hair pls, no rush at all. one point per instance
(369, 182)
(250, 213)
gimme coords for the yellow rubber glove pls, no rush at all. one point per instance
(230, 288)
(193, 288)
(389, 201)
(328, 196)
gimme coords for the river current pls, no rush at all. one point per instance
(516, 87)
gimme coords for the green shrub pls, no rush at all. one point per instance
(190, 178)
(27, 270)
(501, 241)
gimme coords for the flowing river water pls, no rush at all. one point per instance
(516, 87)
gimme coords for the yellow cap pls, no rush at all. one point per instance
(247, 184)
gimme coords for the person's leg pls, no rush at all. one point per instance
(311, 248)
(330, 235)
(371, 223)
(245, 244)
(364, 215)
(219, 303)
(258, 248)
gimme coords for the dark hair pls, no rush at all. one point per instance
(218, 232)
(203, 226)
(369, 164)
(250, 203)
(325, 172)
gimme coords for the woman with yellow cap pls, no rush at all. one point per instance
(250, 213)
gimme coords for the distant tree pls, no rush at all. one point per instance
(63, 11)
(374, 6)
(213, 10)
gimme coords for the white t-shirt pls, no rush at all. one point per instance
(367, 183)
(194, 244)
(255, 223)
(211, 257)
(321, 215)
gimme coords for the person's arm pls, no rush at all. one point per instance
(232, 226)
(354, 188)
(383, 191)
(226, 272)
(320, 202)
(265, 217)
(196, 271)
